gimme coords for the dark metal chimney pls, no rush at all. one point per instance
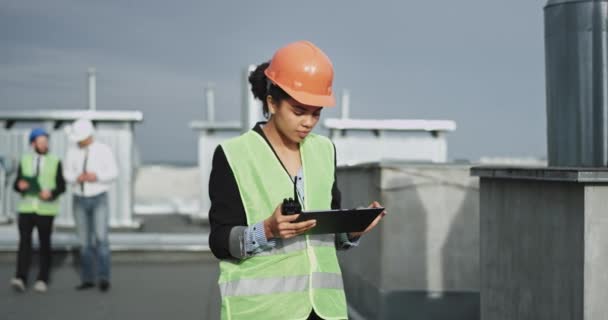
(576, 57)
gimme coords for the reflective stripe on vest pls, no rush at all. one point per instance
(248, 287)
(300, 273)
(47, 181)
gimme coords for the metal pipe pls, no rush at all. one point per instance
(210, 102)
(345, 104)
(576, 58)
(92, 97)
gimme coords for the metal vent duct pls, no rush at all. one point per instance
(576, 52)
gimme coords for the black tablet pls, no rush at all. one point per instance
(338, 221)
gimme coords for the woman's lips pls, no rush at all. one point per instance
(303, 134)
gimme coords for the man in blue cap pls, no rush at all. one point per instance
(40, 182)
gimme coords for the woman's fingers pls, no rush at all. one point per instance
(374, 204)
(297, 225)
(286, 234)
(304, 224)
(375, 222)
(288, 229)
(305, 228)
(287, 218)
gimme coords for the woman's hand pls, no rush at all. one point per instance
(282, 226)
(374, 204)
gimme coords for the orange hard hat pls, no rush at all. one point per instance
(304, 72)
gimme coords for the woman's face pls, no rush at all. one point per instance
(293, 119)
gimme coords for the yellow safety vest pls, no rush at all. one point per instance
(31, 203)
(300, 273)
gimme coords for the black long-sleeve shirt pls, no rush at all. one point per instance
(59, 182)
(227, 209)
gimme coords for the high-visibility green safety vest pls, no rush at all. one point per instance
(300, 273)
(30, 203)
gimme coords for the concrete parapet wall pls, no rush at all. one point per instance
(422, 262)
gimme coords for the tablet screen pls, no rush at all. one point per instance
(343, 220)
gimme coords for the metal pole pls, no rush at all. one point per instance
(345, 104)
(92, 86)
(210, 102)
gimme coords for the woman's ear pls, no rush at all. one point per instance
(272, 107)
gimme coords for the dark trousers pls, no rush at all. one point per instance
(44, 224)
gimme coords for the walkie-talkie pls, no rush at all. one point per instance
(292, 205)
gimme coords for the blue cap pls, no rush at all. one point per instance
(37, 132)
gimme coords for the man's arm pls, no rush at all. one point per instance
(69, 174)
(19, 177)
(109, 171)
(59, 183)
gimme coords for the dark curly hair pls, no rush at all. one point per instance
(261, 87)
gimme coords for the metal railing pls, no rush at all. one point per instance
(115, 128)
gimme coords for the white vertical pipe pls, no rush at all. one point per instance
(251, 108)
(345, 104)
(210, 102)
(92, 87)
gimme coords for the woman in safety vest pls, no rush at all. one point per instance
(269, 268)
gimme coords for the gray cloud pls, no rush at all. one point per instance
(478, 62)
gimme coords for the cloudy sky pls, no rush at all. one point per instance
(477, 62)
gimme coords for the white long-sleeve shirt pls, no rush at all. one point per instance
(100, 161)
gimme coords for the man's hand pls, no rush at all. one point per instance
(90, 177)
(22, 185)
(282, 226)
(45, 195)
(87, 177)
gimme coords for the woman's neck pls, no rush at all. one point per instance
(278, 140)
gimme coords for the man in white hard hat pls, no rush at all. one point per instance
(90, 168)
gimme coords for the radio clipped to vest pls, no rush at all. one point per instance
(292, 205)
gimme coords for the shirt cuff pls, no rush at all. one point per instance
(255, 239)
(343, 242)
(248, 241)
(258, 234)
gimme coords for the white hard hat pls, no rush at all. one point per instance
(80, 130)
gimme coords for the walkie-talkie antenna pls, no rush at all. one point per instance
(292, 206)
(295, 190)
